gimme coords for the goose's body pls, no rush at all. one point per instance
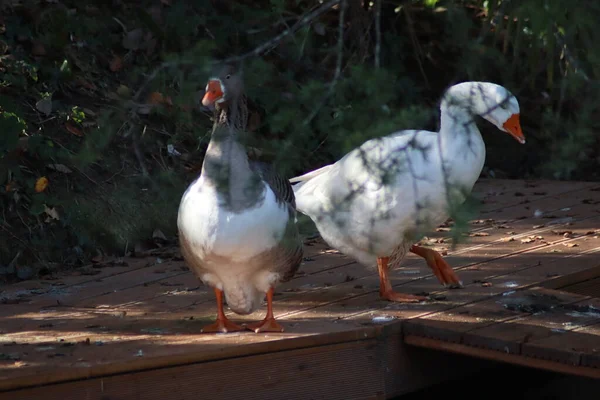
(237, 220)
(377, 200)
(239, 253)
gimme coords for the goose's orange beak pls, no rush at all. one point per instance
(513, 126)
(213, 93)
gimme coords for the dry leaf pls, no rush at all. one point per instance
(158, 98)
(41, 184)
(502, 227)
(116, 64)
(86, 84)
(99, 257)
(51, 212)
(60, 168)
(144, 109)
(562, 232)
(74, 130)
(527, 240)
(157, 234)
(479, 234)
(508, 239)
(155, 98)
(482, 221)
(123, 91)
(88, 112)
(133, 39)
(442, 230)
(44, 105)
(571, 244)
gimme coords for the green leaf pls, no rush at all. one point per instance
(11, 127)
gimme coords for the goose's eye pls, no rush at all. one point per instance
(228, 76)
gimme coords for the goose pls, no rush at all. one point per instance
(378, 200)
(237, 221)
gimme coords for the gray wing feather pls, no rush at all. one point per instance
(288, 255)
(281, 187)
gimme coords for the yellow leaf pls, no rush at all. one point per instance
(41, 184)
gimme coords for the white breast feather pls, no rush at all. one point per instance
(238, 236)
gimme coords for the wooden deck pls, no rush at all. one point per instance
(121, 330)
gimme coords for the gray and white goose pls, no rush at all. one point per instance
(237, 220)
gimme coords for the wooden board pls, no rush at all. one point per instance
(134, 326)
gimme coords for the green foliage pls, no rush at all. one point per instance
(123, 83)
(11, 127)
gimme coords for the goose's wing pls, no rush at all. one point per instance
(280, 186)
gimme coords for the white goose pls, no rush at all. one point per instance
(381, 197)
(237, 222)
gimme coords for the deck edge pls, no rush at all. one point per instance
(494, 355)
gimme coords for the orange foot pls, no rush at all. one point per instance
(442, 270)
(385, 286)
(266, 325)
(402, 297)
(222, 325)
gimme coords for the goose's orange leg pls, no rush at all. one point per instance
(222, 324)
(438, 265)
(385, 287)
(268, 324)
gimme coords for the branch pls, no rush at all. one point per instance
(338, 65)
(377, 33)
(572, 60)
(307, 19)
(493, 21)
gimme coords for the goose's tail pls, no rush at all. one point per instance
(309, 175)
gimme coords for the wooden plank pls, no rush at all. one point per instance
(373, 368)
(367, 305)
(574, 340)
(274, 375)
(321, 300)
(523, 192)
(509, 336)
(494, 355)
(105, 284)
(566, 280)
(64, 280)
(355, 305)
(72, 293)
(452, 324)
(140, 352)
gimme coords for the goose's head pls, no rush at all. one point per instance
(223, 87)
(492, 102)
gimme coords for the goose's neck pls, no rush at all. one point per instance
(461, 145)
(226, 165)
